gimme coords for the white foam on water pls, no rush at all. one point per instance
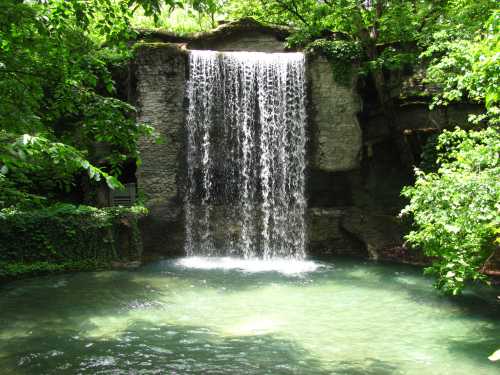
(282, 265)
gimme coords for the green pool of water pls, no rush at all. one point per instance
(205, 317)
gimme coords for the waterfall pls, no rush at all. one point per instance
(246, 154)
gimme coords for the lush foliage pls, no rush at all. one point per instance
(58, 96)
(454, 201)
(36, 163)
(65, 236)
(468, 68)
(456, 208)
(182, 16)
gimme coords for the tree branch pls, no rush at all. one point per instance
(292, 8)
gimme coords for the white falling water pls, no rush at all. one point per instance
(246, 155)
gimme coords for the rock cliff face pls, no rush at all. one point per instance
(336, 134)
(354, 174)
(160, 72)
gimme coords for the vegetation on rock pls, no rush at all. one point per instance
(342, 55)
(66, 237)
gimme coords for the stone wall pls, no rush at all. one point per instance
(251, 42)
(335, 134)
(242, 35)
(354, 172)
(334, 149)
(160, 74)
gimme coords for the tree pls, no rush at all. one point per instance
(465, 66)
(456, 208)
(57, 96)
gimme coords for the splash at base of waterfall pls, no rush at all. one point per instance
(280, 265)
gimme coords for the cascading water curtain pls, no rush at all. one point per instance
(246, 154)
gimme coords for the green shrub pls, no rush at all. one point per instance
(456, 208)
(65, 237)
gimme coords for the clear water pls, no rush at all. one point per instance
(246, 136)
(199, 316)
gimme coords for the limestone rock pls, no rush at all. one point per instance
(326, 237)
(245, 34)
(377, 232)
(336, 134)
(160, 74)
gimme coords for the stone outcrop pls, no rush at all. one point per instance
(492, 265)
(335, 135)
(378, 232)
(243, 35)
(160, 72)
(354, 172)
(327, 237)
(334, 147)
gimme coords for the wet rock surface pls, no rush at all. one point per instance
(354, 173)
